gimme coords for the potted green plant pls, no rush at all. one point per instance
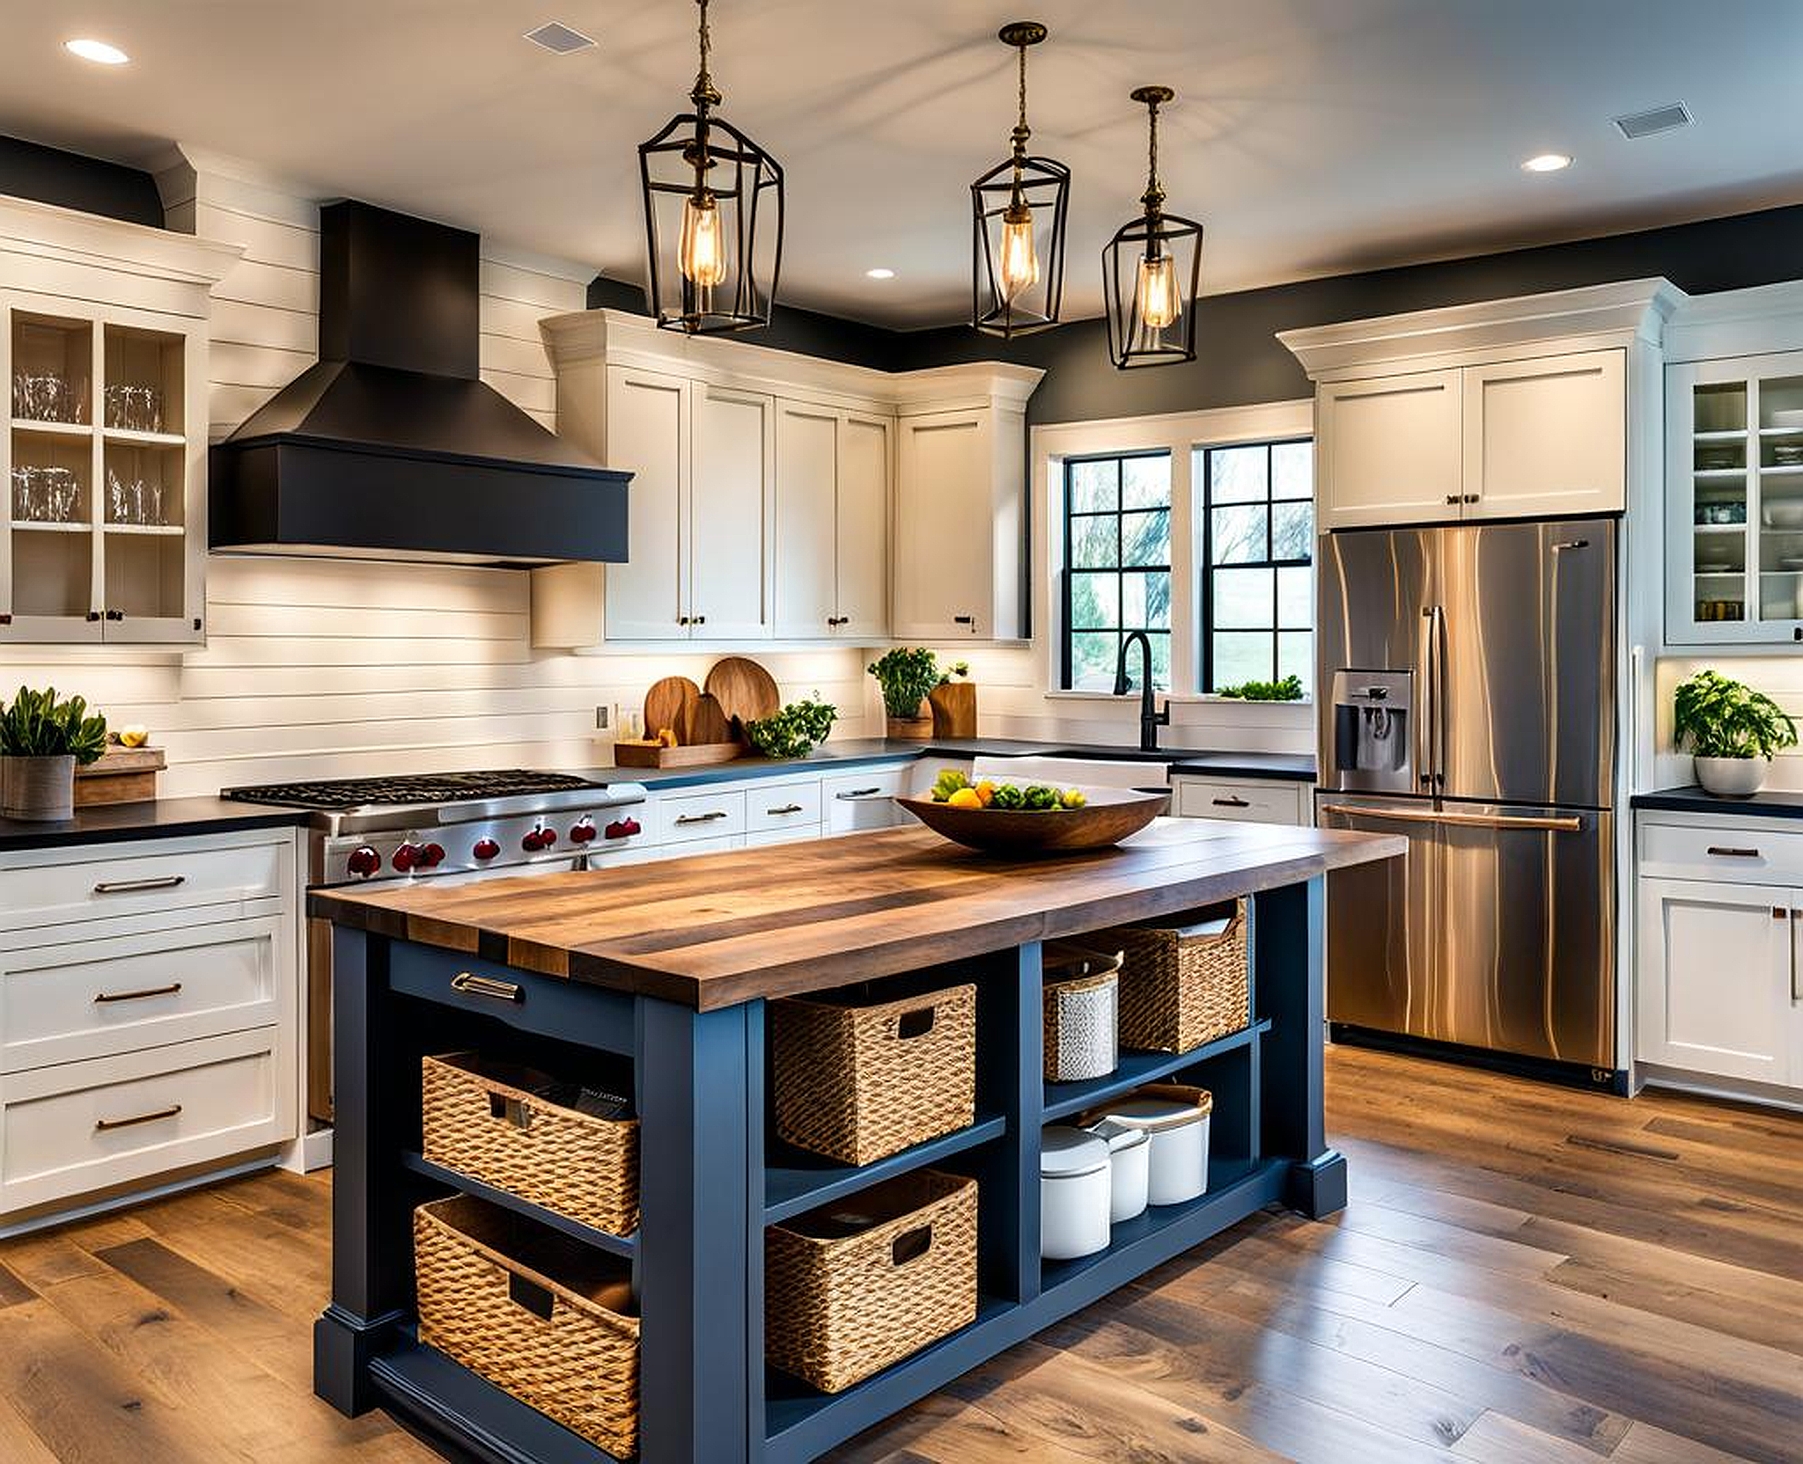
(42, 738)
(1732, 731)
(906, 675)
(794, 731)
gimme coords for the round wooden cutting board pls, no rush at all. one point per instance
(745, 690)
(668, 704)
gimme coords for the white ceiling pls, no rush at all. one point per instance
(1310, 136)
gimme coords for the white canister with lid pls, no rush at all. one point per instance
(1129, 1168)
(1073, 1193)
(1175, 1117)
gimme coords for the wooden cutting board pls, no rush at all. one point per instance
(745, 690)
(704, 722)
(667, 705)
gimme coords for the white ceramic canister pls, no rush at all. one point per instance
(1073, 1193)
(1129, 1168)
(1176, 1119)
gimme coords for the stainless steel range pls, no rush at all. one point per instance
(440, 826)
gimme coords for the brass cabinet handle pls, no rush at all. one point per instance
(695, 818)
(1231, 803)
(1723, 851)
(471, 984)
(102, 997)
(854, 793)
(137, 886)
(786, 808)
(107, 1125)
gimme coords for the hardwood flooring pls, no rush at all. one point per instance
(1524, 1276)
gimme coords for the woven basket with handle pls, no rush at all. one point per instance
(584, 1167)
(857, 1081)
(540, 1315)
(1181, 988)
(853, 1288)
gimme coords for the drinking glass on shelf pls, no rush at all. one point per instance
(27, 505)
(62, 495)
(150, 500)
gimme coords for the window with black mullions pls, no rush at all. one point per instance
(1258, 589)
(1117, 557)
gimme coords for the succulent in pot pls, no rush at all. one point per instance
(1731, 730)
(906, 675)
(42, 738)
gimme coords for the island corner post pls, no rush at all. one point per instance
(420, 971)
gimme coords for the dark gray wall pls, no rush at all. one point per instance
(29, 170)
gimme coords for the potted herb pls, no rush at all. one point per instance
(906, 676)
(1289, 688)
(41, 740)
(1733, 732)
(794, 731)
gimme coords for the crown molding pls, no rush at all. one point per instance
(67, 236)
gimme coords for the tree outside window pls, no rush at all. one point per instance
(1117, 557)
(1258, 589)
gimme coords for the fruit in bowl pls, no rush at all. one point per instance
(1037, 819)
(955, 790)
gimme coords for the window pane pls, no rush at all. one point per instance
(1293, 470)
(1161, 662)
(1243, 597)
(1146, 601)
(1296, 657)
(1241, 656)
(1146, 537)
(1095, 601)
(1095, 486)
(1146, 481)
(1237, 474)
(1292, 531)
(1094, 544)
(1296, 598)
(1093, 656)
(1237, 534)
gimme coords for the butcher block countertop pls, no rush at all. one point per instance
(715, 930)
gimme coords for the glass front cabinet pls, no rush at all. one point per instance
(1734, 501)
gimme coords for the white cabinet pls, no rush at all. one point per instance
(1546, 437)
(728, 513)
(861, 526)
(649, 436)
(1389, 450)
(831, 547)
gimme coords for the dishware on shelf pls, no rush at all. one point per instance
(1787, 454)
(1783, 515)
(1714, 566)
(1789, 419)
(1107, 816)
(1720, 457)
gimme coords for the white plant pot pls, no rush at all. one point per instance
(1732, 777)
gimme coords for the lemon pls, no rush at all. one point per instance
(965, 798)
(133, 736)
(1073, 798)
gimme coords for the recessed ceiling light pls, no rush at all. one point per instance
(1546, 163)
(92, 50)
(879, 273)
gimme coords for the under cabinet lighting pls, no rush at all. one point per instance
(879, 273)
(1547, 163)
(100, 52)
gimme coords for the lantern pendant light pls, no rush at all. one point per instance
(713, 217)
(1152, 269)
(1018, 212)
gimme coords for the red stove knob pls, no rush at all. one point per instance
(537, 839)
(431, 856)
(407, 857)
(583, 832)
(623, 828)
(485, 849)
(363, 861)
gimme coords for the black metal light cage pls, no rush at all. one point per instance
(1045, 187)
(1131, 343)
(747, 185)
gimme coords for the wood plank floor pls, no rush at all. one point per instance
(1524, 1276)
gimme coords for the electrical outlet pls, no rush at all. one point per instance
(603, 715)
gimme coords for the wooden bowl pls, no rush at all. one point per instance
(1110, 815)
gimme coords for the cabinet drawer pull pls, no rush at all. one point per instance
(1231, 803)
(1728, 851)
(103, 997)
(471, 984)
(964, 620)
(786, 808)
(1452, 498)
(138, 886)
(695, 818)
(1472, 497)
(107, 1125)
(851, 794)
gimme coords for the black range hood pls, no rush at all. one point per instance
(392, 447)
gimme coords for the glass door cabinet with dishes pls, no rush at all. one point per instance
(104, 463)
(1734, 501)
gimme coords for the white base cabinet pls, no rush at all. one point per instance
(1248, 800)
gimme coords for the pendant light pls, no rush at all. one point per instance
(713, 217)
(1018, 210)
(1152, 269)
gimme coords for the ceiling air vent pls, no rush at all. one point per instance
(1654, 120)
(559, 38)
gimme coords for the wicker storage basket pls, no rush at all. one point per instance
(492, 1122)
(1181, 988)
(1082, 990)
(857, 1080)
(851, 1288)
(540, 1315)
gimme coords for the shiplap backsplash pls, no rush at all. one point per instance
(326, 668)
(1779, 677)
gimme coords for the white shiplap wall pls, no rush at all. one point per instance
(1779, 677)
(319, 668)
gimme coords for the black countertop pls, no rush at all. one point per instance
(1694, 800)
(157, 818)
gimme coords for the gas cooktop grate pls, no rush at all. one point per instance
(410, 789)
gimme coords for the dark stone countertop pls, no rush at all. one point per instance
(1694, 800)
(156, 818)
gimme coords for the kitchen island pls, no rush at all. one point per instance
(668, 968)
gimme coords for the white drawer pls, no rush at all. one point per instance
(1247, 800)
(782, 806)
(704, 815)
(863, 799)
(110, 880)
(70, 1130)
(66, 1003)
(1761, 851)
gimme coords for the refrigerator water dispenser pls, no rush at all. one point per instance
(1373, 732)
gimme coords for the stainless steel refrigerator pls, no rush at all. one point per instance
(1467, 700)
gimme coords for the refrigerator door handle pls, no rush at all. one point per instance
(1552, 823)
(1425, 712)
(1436, 633)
